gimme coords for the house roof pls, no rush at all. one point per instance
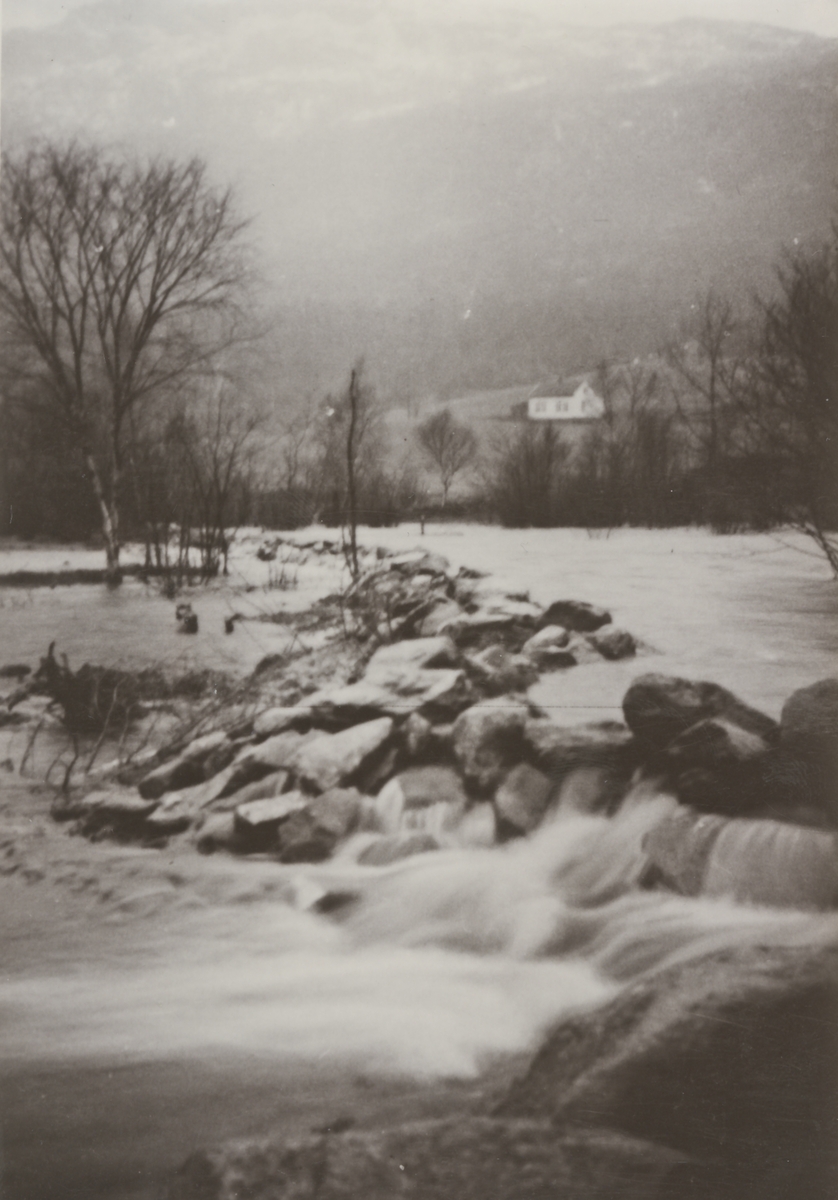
(557, 387)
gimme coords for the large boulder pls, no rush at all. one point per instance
(488, 740)
(732, 1058)
(495, 671)
(331, 760)
(471, 1158)
(715, 743)
(392, 662)
(658, 708)
(575, 615)
(277, 720)
(312, 833)
(809, 720)
(521, 801)
(428, 799)
(604, 747)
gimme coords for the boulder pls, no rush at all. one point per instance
(809, 720)
(731, 1058)
(263, 789)
(312, 833)
(521, 801)
(277, 720)
(614, 644)
(489, 739)
(443, 613)
(678, 850)
(495, 671)
(185, 769)
(219, 831)
(386, 850)
(105, 805)
(557, 749)
(419, 562)
(258, 816)
(715, 743)
(575, 615)
(513, 620)
(330, 760)
(549, 639)
(419, 787)
(431, 693)
(471, 1158)
(390, 663)
(658, 708)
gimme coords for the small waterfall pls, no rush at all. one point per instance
(768, 862)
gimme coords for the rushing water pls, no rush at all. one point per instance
(141, 1037)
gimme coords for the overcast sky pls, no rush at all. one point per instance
(817, 16)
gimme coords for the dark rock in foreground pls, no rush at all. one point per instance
(732, 1059)
(470, 1159)
(658, 708)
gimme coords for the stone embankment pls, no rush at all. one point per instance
(430, 741)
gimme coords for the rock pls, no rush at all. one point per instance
(614, 643)
(330, 760)
(488, 740)
(419, 562)
(809, 720)
(421, 786)
(678, 850)
(105, 805)
(312, 834)
(507, 617)
(575, 615)
(184, 770)
(809, 738)
(521, 801)
(12, 718)
(730, 1058)
(258, 815)
(471, 1158)
(715, 743)
(557, 749)
(496, 671)
(658, 708)
(390, 663)
(550, 638)
(590, 790)
(277, 720)
(387, 850)
(219, 831)
(277, 753)
(262, 789)
(443, 613)
(794, 784)
(582, 650)
(435, 694)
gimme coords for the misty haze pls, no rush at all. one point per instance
(418, 644)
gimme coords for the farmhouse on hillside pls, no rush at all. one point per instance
(574, 402)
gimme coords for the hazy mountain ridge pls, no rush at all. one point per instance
(472, 202)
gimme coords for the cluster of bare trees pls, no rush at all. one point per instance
(121, 284)
(123, 287)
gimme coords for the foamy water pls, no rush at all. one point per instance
(442, 962)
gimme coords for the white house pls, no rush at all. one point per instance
(582, 405)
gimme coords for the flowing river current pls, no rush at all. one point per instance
(186, 1001)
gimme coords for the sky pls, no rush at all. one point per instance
(814, 16)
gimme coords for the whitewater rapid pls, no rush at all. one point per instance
(433, 967)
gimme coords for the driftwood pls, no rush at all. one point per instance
(92, 698)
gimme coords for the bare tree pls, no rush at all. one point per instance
(114, 276)
(449, 445)
(789, 402)
(702, 359)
